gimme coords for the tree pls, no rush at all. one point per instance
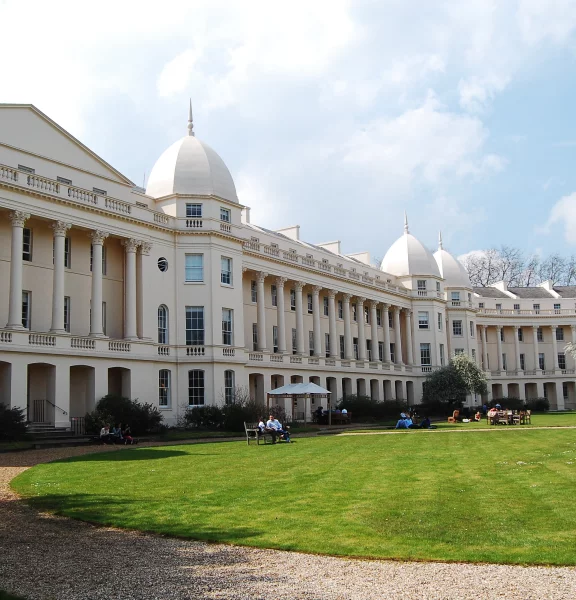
(452, 383)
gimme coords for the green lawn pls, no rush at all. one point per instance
(503, 497)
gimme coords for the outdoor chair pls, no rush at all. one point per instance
(502, 418)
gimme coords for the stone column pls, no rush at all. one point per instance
(386, 326)
(559, 396)
(398, 336)
(98, 238)
(18, 219)
(299, 285)
(131, 246)
(410, 349)
(145, 248)
(484, 334)
(374, 328)
(555, 347)
(316, 320)
(348, 349)
(334, 351)
(517, 349)
(499, 346)
(536, 348)
(361, 328)
(281, 316)
(261, 298)
(60, 230)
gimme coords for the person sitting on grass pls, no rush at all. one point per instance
(404, 422)
(275, 425)
(477, 416)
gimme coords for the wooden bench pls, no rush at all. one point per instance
(253, 433)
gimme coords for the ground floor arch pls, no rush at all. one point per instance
(387, 388)
(374, 389)
(256, 387)
(82, 390)
(5, 383)
(41, 401)
(120, 382)
(410, 392)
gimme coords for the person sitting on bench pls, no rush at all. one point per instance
(105, 434)
(274, 424)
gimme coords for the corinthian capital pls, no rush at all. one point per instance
(346, 297)
(332, 294)
(60, 228)
(98, 237)
(131, 244)
(316, 289)
(280, 281)
(261, 276)
(360, 300)
(374, 303)
(145, 248)
(299, 285)
(18, 218)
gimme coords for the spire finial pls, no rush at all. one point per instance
(190, 121)
(440, 240)
(406, 223)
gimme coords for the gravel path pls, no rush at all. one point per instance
(43, 557)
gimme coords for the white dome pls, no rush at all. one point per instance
(451, 269)
(407, 256)
(191, 167)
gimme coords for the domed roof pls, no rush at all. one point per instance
(191, 167)
(451, 269)
(407, 256)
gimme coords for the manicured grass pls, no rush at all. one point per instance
(501, 497)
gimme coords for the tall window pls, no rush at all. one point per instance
(423, 320)
(253, 292)
(327, 344)
(557, 309)
(275, 338)
(229, 386)
(103, 258)
(67, 313)
(104, 318)
(455, 297)
(539, 334)
(340, 309)
(194, 211)
(425, 360)
(342, 347)
(225, 215)
(164, 388)
(367, 315)
(194, 267)
(392, 352)
(421, 283)
(26, 309)
(565, 390)
(390, 320)
(536, 308)
(378, 317)
(292, 299)
(294, 346)
(369, 349)
(504, 361)
(561, 360)
(541, 362)
(517, 308)
(457, 327)
(194, 325)
(196, 387)
(559, 334)
(522, 362)
(226, 271)
(162, 324)
(354, 312)
(471, 328)
(274, 293)
(440, 319)
(310, 304)
(325, 303)
(311, 342)
(227, 338)
(520, 334)
(381, 351)
(355, 347)
(501, 334)
(441, 355)
(27, 244)
(254, 336)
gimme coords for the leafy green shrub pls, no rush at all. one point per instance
(12, 423)
(365, 409)
(142, 418)
(538, 404)
(509, 402)
(229, 417)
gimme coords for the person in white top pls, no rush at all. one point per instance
(344, 411)
(275, 425)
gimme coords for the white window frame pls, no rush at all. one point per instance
(26, 309)
(425, 355)
(254, 337)
(275, 338)
(274, 295)
(225, 215)
(226, 270)
(325, 305)
(67, 309)
(196, 381)
(457, 328)
(310, 303)
(164, 395)
(27, 244)
(163, 324)
(193, 211)
(195, 326)
(440, 321)
(253, 291)
(472, 329)
(194, 273)
(229, 386)
(423, 319)
(227, 327)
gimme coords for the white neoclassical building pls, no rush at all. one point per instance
(172, 296)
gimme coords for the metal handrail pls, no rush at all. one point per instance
(55, 406)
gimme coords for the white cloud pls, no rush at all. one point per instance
(477, 92)
(563, 213)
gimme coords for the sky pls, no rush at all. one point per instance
(337, 115)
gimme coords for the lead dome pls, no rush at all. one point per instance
(191, 167)
(408, 256)
(451, 269)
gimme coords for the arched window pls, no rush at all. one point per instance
(229, 387)
(162, 324)
(164, 388)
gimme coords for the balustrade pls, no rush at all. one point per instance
(330, 362)
(40, 339)
(426, 369)
(117, 206)
(194, 223)
(272, 251)
(163, 350)
(277, 358)
(195, 351)
(297, 360)
(8, 173)
(325, 267)
(310, 262)
(313, 361)
(5, 337)
(256, 356)
(115, 346)
(228, 352)
(225, 227)
(41, 183)
(161, 218)
(346, 363)
(79, 343)
(84, 195)
(291, 256)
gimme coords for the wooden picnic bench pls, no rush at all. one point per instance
(253, 433)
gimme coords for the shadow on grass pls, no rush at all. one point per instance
(125, 454)
(118, 512)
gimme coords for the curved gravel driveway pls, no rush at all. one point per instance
(43, 557)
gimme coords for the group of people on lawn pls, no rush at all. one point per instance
(407, 421)
(118, 434)
(274, 428)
